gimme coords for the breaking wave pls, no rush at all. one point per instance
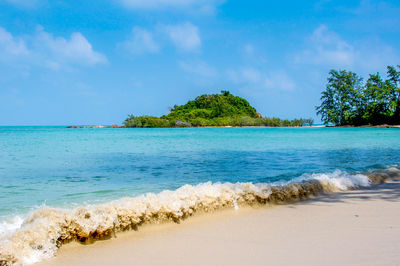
(46, 229)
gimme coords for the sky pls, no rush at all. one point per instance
(94, 62)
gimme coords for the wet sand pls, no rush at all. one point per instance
(360, 227)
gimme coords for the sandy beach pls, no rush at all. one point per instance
(360, 227)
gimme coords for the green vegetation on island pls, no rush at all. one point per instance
(212, 110)
(348, 101)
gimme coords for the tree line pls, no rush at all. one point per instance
(348, 100)
(234, 121)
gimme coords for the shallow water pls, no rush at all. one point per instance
(63, 167)
(75, 170)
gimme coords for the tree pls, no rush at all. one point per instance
(393, 83)
(308, 121)
(377, 100)
(225, 93)
(345, 101)
(342, 99)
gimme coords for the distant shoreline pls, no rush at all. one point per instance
(374, 126)
(318, 126)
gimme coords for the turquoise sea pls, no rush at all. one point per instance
(64, 168)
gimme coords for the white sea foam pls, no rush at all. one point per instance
(338, 180)
(45, 229)
(9, 226)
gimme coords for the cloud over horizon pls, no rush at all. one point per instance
(184, 36)
(76, 49)
(43, 49)
(11, 46)
(140, 41)
(200, 6)
(327, 49)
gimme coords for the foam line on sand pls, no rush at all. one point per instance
(359, 227)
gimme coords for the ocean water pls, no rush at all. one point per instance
(49, 175)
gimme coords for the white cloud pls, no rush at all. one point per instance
(257, 79)
(11, 46)
(326, 47)
(141, 41)
(43, 49)
(76, 49)
(199, 68)
(202, 6)
(184, 36)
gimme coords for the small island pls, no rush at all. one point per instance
(213, 110)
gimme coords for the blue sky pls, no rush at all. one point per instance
(94, 62)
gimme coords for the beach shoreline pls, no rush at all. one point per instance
(352, 227)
